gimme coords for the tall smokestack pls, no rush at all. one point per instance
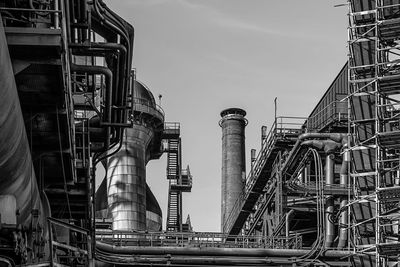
(233, 124)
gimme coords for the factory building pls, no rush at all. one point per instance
(323, 190)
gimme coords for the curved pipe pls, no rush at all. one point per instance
(16, 166)
(108, 74)
(126, 32)
(109, 78)
(288, 216)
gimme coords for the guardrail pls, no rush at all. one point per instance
(148, 107)
(196, 239)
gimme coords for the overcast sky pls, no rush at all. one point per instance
(203, 56)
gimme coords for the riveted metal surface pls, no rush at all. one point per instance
(126, 180)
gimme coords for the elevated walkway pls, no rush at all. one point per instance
(283, 135)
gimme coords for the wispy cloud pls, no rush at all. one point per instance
(227, 21)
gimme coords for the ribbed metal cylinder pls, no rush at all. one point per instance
(126, 180)
(233, 170)
(17, 176)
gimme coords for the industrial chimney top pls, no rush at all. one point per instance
(233, 114)
(233, 111)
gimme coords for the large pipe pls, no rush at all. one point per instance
(126, 180)
(17, 176)
(233, 170)
(329, 209)
(213, 251)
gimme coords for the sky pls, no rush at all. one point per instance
(203, 56)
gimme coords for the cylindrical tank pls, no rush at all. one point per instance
(17, 176)
(233, 170)
(126, 173)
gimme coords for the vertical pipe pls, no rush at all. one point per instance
(329, 180)
(343, 200)
(233, 169)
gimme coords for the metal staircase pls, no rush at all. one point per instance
(179, 180)
(374, 94)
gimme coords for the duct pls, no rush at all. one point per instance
(343, 221)
(287, 220)
(329, 180)
(233, 168)
(214, 251)
(17, 176)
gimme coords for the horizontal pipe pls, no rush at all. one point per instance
(207, 251)
(201, 261)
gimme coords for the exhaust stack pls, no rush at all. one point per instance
(233, 125)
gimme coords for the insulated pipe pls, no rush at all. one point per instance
(16, 167)
(214, 251)
(337, 137)
(126, 180)
(233, 169)
(329, 209)
(343, 221)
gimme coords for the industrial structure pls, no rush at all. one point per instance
(324, 190)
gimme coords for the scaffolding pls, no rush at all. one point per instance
(374, 105)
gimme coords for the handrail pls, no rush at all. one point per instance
(331, 111)
(280, 127)
(172, 125)
(150, 107)
(195, 239)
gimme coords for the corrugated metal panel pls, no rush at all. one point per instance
(328, 108)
